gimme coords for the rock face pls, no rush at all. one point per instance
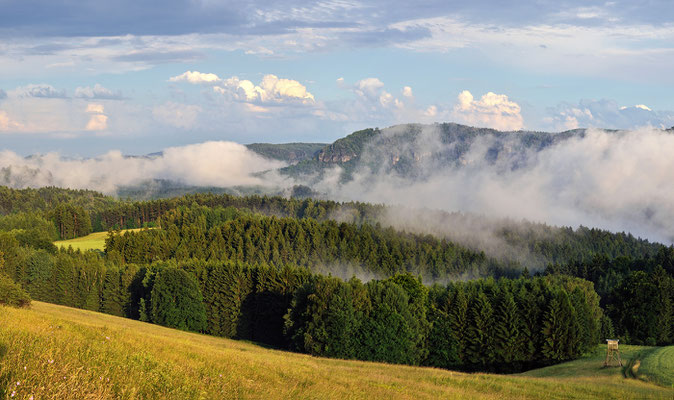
(331, 155)
(346, 149)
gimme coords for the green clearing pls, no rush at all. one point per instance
(94, 241)
(655, 365)
(56, 352)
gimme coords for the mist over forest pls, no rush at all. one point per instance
(615, 180)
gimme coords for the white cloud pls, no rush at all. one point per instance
(42, 90)
(219, 164)
(7, 124)
(606, 50)
(178, 115)
(607, 114)
(98, 120)
(97, 92)
(196, 77)
(95, 108)
(260, 51)
(614, 180)
(374, 105)
(491, 110)
(369, 87)
(271, 89)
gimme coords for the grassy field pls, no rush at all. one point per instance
(95, 241)
(55, 352)
(655, 365)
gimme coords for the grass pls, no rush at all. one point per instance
(655, 365)
(94, 241)
(55, 352)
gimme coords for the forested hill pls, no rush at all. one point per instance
(289, 152)
(238, 264)
(404, 148)
(47, 198)
(520, 244)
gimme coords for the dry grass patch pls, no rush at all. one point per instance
(56, 352)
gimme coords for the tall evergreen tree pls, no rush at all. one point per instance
(177, 301)
(507, 326)
(458, 321)
(560, 329)
(480, 339)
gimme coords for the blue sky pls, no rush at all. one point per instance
(84, 77)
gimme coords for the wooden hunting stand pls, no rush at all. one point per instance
(612, 354)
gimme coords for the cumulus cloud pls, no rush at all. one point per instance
(196, 77)
(369, 87)
(219, 164)
(491, 110)
(97, 92)
(178, 115)
(271, 89)
(375, 105)
(40, 91)
(640, 106)
(605, 113)
(95, 108)
(7, 124)
(98, 120)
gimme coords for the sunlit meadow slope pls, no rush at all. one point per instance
(94, 241)
(55, 352)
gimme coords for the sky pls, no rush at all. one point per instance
(81, 78)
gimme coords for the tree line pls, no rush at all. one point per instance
(637, 293)
(281, 245)
(322, 246)
(546, 244)
(486, 325)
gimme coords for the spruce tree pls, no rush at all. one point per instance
(479, 343)
(458, 321)
(177, 301)
(507, 326)
(560, 329)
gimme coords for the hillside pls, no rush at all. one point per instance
(55, 352)
(409, 149)
(289, 152)
(94, 241)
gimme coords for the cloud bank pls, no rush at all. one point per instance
(619, 181)
(220, 164)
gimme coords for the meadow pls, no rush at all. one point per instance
(656, 365)
(94, 241)
(56, 352)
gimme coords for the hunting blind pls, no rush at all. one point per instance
(612, 354)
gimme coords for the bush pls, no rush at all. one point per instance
(12, 294)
